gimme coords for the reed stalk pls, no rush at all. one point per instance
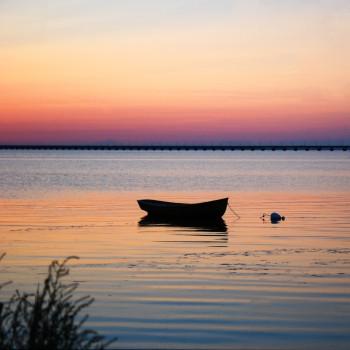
(48, 319)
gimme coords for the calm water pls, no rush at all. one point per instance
(244, 283)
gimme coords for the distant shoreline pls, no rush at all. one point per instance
(151, 147)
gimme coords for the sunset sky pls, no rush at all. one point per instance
(184, 71)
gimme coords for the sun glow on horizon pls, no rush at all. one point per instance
(157, 71)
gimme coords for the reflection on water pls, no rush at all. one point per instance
(218, 225)
(212, 232)
(31, 173)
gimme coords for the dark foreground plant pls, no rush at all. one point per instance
(48, 318)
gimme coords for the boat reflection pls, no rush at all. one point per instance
(217, 225)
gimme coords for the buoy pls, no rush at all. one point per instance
(274, 217)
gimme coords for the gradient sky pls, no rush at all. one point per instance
(184, 71)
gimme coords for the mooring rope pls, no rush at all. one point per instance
(233, 210)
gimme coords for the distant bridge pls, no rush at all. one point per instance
(180, 147)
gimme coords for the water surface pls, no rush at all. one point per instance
(244, 283)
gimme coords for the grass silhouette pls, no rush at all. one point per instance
(48, 319)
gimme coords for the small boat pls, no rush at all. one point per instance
(200, 211)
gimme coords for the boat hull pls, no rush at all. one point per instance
(203, 211)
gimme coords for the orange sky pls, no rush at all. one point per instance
(185, 72)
